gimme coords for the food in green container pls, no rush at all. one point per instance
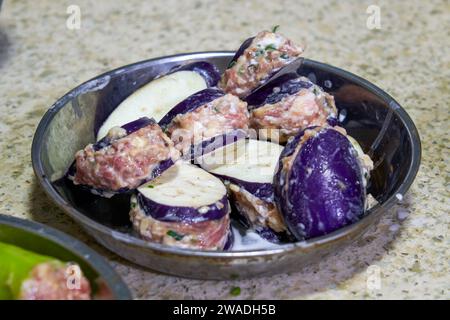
(27, 275)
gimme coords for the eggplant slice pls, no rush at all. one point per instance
(257, 60)
(123, 160)
(248, 167)
(184, 207)
(285, 106)
(157, 97)
(320, 183)
(202, 116)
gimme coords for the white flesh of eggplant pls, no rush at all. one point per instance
(255, 161)
(184, 185)
(154, 99)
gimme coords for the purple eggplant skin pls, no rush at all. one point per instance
(263, 191)
(167, 213)
(119, 90)
(105, 142)
(275, 237)
(274, 91)
(240, 51)
(191, 103)
(321, 189)
(288, 71)
(208, 71)
(211, 144)
(129, 127)
(230, 241)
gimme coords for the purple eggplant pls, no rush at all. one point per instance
(191, 103)
(248, 167)
(240, 51)
(319, 184)
(185, 206)
(155, 98)
(275, 237)
(257, 60)
(207, 146)
(275, 90)
(288, 104)
(203, 120)
(207, 70)
(106, 177)
(184, 193)
(230, 241)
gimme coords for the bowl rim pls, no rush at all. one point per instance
(119, 289)
(86, 86)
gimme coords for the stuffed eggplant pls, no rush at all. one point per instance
(25, 275)
(320, 184)
(123, 160)
(185, 207)
(248, 172)
(256, 60)
(156, 98)
(287, 105)
(204, 115)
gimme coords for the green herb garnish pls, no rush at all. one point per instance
(270, 47)
(231, 64)
(284, 56)
(133, 205)
(316, 91)
(235, 291)
(150, 186)
(259, 52)
(175, 235)
(275, 28)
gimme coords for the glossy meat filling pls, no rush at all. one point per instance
(267, 53)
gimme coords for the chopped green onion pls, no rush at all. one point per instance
(284, 56)
(175, 235)
(231, 64)
(259, 52)
(150, 186)
(275, 28)
(235, 291)
(270, 47)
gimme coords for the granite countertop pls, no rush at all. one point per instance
(41, 59)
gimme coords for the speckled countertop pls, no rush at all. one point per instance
(41, 59)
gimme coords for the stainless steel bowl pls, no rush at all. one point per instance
(44, 240)
(375, 119)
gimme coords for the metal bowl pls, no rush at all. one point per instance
(44, 240)
(375, 119)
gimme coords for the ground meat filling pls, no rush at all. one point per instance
(126, 162)
(306, 108)
(55, 281)
(214, 118)
(259, 213)
(206, 235)
(267, 53)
